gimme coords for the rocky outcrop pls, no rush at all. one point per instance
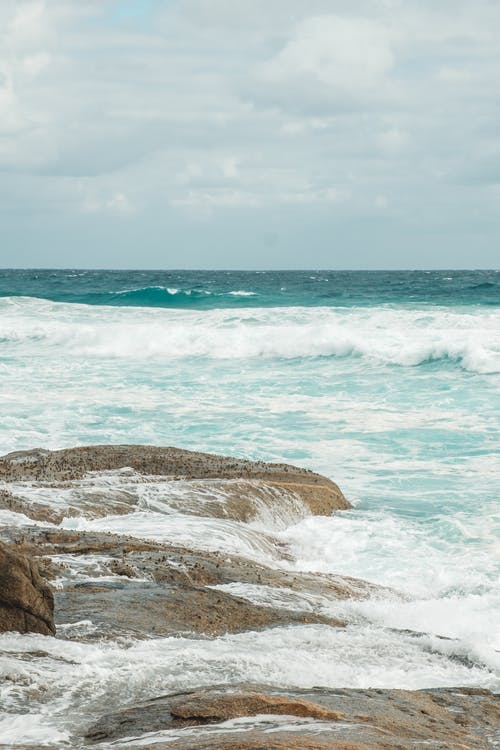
(26, 601)
(204, 707)
(144, 608)
(446, 719)
(277, 741)
(137, 558)
(165, 590)
(35, 510)
(319, 494)
(110, 585)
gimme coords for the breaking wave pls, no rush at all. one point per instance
(383, 336)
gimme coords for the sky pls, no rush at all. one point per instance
(250, 133)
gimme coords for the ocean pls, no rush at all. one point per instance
(386, 382)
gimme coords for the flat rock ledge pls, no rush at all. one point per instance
(26, 601)
(444, 719)
(320, 495)
(158, 590)
(146, 609)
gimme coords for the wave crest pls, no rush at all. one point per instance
(161, 296)
(383, 336)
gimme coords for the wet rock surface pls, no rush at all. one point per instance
(446, 718)
(321, 495)
(134, 558)
(278, 741)
(145, 609)
(165, 590)
(26, 601)
(35, 511)
(133, 590)
(204, 707)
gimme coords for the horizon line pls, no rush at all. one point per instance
(245, 270)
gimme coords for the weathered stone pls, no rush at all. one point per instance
(204, 707)
(252, 740)
(26, 601)
(161, 589)
(147, 608)
(447, 719)
(35, 510)
(319, 494)
(173, 598)
(171, 564)
(201, 708)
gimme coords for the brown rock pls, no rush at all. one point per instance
(263, 741)
(26, 601)
(321, 495)
(173, 565)
(203, 708)
(36, 511)
(146, 608)
(342, 718)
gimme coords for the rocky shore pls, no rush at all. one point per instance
(139, 588)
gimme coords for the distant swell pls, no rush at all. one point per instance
(157, 296)
(485, 285)
(160, 296)
(207, 290)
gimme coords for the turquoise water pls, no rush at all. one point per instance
(216, 289)
(388, 382)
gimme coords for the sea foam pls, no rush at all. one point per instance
(386, 336)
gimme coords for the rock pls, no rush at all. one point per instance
(262, 741)
(203, 708)
(165, 563)
(446, 719)
(26, 601)
(130, 586)
(35, 510)
(161, 589)
(319, 494)
(150, 609)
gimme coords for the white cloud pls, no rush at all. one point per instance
(381, 201)
(394, 140)
(92, 198)
(119, 203)
(28, 25)
(344, 53)
(249, 105)
(33, 65)
(204, 201)
(230, 168)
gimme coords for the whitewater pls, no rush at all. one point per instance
(388, 384)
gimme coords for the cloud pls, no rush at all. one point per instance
(116, 203)
(342, 61)
(214, 108)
